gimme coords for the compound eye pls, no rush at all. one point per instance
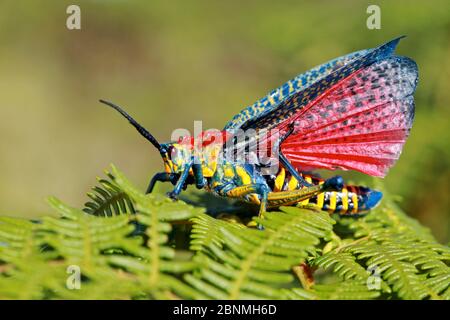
(173, 152)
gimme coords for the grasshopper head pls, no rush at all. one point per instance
(205, 151)
(175, 156)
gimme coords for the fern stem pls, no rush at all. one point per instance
(305, 274)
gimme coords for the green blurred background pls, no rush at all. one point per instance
(172, 62)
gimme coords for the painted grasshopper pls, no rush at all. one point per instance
(353, 113)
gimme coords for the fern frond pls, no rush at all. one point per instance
(242, 263)
(135, 256)
(16, 239)
(391, 262)
(405, 254)
(156, 267)
(33, 278)
(114, 262)
(81, 239)
(343, 264)
(108, 199)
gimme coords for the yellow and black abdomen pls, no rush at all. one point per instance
(350, 200)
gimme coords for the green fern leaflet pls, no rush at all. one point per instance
(128, 245)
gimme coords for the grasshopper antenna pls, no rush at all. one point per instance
(144, 132)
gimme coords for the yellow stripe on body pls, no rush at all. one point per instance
(228, 172)
(309, 180)
(207, 172)
(293, 184)
(243, 175)
(333, 198)
(210, 168)
(344, 200)
(246, 180)
(279, 181)
(320, 198)
(355, 202)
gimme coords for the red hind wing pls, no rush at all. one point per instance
(360, 123)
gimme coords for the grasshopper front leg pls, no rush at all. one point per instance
(181, 181)
(161, 177)
(199, 179)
